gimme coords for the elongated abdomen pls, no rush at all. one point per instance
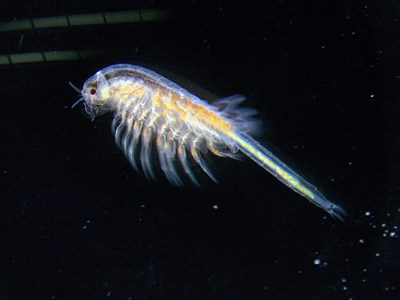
(283, 173)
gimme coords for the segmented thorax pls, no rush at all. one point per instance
(149, 108)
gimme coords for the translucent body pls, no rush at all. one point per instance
(150, 109)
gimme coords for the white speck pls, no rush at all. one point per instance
(350, 163)
(88, 221)
(5, 171)
(367, 213)
(344, 280)
(215, 206)
(84, 227)
(323, 47)
(361, 241)
(317, 261)
(332, 179)
(383, 225)
(377, 254)
(345, 288)
(108, 294)
(372, 96)
(365, 270)
(392, 234)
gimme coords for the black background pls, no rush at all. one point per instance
(76, 222)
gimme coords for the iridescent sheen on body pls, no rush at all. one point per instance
(152, 110)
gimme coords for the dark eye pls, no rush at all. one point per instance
(92, 91)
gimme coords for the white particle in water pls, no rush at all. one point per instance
(317, 261)
(215, 206)
(361, 241)
(367, 213)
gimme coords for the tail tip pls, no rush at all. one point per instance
(337, 212)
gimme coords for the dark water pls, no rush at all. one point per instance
(76, 222)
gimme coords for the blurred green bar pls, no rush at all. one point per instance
(4, 60)
(50, 22)
(86, 19)
(48, 56)
(155, 14)
(130, 16)
(21, 58)
(61, 55)
(15, 25)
